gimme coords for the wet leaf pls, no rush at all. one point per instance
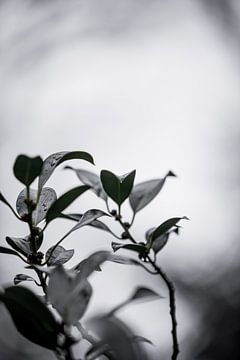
(64, 201)
(52, 161)
(142, 194)
(58, 256)
(30, 316)
(47, 197)
(26, 169)
(118, 188)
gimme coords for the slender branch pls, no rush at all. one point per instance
(171, 291)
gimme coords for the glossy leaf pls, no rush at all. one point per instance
(91, 179)
(69, 294)
(142, 194)
(118, 188)
(26, 169)
(58, 256)
(64, 201)
(30, 316)
(141, 249)
(22, 277)
(166, 226)
(19, 244)
(52, 161)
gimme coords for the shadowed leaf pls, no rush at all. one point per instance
(26, 169)
(22, 277)
(19, 244)
(30, 316)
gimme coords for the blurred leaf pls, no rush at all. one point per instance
(2, 198)
(30, 316)
(141, 293)
(64, 201)
(4, 250)
(117, 336)
(22, 277)
(141, 249)
(142, 339)
(91, 179)
(166, 226)
(19, 244)
(142, 194)
(97, 350)
(69, 294)
(26, 169)
(52, 161)
(118, 188)
(58, 256)
(159, 242)
(93, 262)
(82, 264)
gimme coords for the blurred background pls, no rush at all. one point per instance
(150, 85)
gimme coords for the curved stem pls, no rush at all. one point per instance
(171, 291)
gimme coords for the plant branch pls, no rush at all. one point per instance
(171, 291)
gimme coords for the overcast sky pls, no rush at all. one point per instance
(150, 85)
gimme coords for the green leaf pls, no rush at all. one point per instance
(141, 249)
(142, 194)
(118, 188)
(19, 244)
(22, 277)
(52, 161)
(26, 169)
(4, 250)
(64, 201)
(58, 256)
(30, 316)
(166, 226)
(91, 179)
(69, 294)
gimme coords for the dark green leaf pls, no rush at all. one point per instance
(52, 161)
(26, 169)
(58, 256)
(141, 249)
(22, 277)
(19, 244)
(69, 293)
(91, 179)
(118, 188)
(166, 226)
(142, 194)
(30, 316)
(64, 201)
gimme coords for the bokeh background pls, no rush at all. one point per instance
(150, 85)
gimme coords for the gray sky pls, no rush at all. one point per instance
(146, 85)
